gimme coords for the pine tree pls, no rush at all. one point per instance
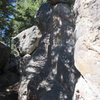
(25, 12)
(7, 10)
(17, 15)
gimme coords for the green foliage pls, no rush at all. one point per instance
(25, 12)
(17, 15)
(6, 10)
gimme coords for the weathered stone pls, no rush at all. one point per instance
(87, 49)
(49, 72)
(87, 17)
(27, 41)
(23, 92)
(85, 90)
(31, 66)
(43, 16)
(4, 55)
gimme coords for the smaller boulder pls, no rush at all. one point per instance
(27, 41)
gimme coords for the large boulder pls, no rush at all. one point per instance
(27, 41)
(4, 54)
(87, 49)
(49, 72)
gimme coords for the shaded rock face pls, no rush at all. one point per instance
(87, 49)
(69, 2)
(43, 17)
(8, 96)
(49, 72)
(27, 41)
(4, 55)
(9, 74)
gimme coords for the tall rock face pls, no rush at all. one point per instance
(48, 73)
(87, 49)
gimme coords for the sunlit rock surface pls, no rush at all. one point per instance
(87, 49)
(27, 41)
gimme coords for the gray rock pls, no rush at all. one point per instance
(49, 72)
(27, 41)
(9, 75)
(87, 49)
(43, 16)
(4, 55)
